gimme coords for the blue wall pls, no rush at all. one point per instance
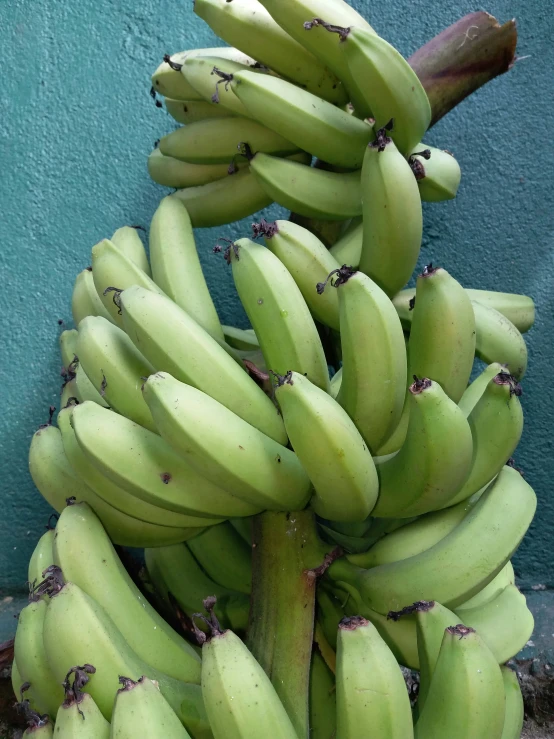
(78, 123)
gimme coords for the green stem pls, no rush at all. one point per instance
(285, 553)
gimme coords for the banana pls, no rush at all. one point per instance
(392, 216)
(17, 683)
(505, 577)
(68, 346)
(245, 24)
(371, 692)
(79, 716)
(499, 521)
(217, 141)
(278, 313)
(329, 614)
(87, 558)
(434, 461)
(173, 342)
(176, 267)
(347, 250)
(373, 384)
(143, 464)
(175, 571)
(336, 382)
(57, 481)
(309, 191)
(141, 710)
(32, 661)
(85, 390)
(329, 448)
(39, 727)
(514, 715)
(129, 242)
(243, 526)
(77, 631)
(323, 707)
(442, 335)
(229, 451)
(191, 111)
(224, 556)
(241, 338)
(388, 85)
(496, 424)
(169, 81)
(474, 391)
(438, 175)
(240, 701)
(498, 340)
(112, 269)
(41, 558)
(466, 695)
(115, 367)
(85, 301)
(310, 122)
(308, 260)
(172, 172)
(414, 538)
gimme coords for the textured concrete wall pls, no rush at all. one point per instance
(78, 123)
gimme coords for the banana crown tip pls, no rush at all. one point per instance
(34, 719)
(460, 630)
(128, 684)
(342, 31)
(280, 380)
(429, 270)
(74, 693)
(264, 228)
(420, 606)
(351, 623)
(231, 250)
(210, 620)
(419, 385)
(343, 274)
(52, 584)
(505, 378)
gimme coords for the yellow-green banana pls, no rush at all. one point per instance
(323, 704)
(437, 172)
(85, 390)
(224, 556)
(172, 172)
(515, 713)
(498, 340)
(41, 558)
(348, 248)
(127, 239)
(68, 346)
(241, 338)
(85, 300)
(191, 111)
(505, 577)
(79, 716)
(474, 391)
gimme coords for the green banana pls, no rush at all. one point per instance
(32, 662)
(388, 85)
(278, 313)
(373, 384)
(466, 695)
(438, 175)
(191, 111)
(41, 558)
(172, 172)
(505, 577)
(310, 122)
(243, 526)
(85, 301)
(392, 216)
(85, 390)
(87, 558)
(496, 424)
(240, 701)
(498, 340)
(434, 461)
(442, 335)
(69, 393)
(229, 451)
(39, 727)
(173, 342)
(141, 710)
(243, 23)
(309, 191)
(143, 464)
(115, 367)
(241, 338)
(68, 346)
(129, 242)
(57, 481)
(77, 631)
(218, 141)
(79, 716)
(474, 391)
(336, 382)
(515, 713)
(371, 692)
(329, 448)
(308, 260)
(347, 250)
(224, 556)
(329, 614)
(499, 521)
(323, 706)
(176, 267)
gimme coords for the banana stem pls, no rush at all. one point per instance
(285, 556)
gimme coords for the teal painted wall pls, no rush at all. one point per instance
(77, 124)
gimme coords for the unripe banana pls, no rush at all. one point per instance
(115, 367)
(80, 718)
(229, 451)
(69, 394)
(434, 461)
(85, 300)
(141, 710)
(224, 556)
(173, 342)
(240, 701)
(392, 216)
(373, 383)
(278, 313)
(515, 712)
(498, 340)
(143, 464)
(77, 631)
(41, 558)
(68, 346)
(347, 250)
(437, 172)
(127, 239)
(442, 335)
(329, 448)
(323, 705)
(40, 727)
(505, 577)
(474, 391)
(309, 191)
(85, 389)
(246, 25)
(371, 692)
(241, 338)
(176, 267)
(466, 696)
(172, 172)
(336, 382)
(498, 521)
(217, 141)
(191, 111)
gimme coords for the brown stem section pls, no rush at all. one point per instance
(285, 555)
